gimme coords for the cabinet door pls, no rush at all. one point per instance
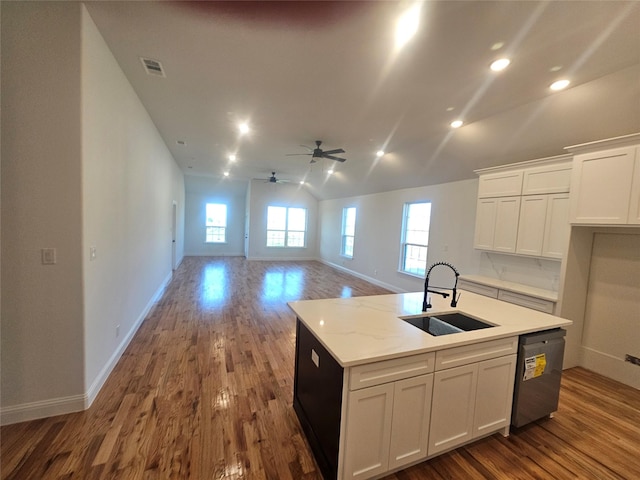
(502, 184)
(556, 228)
(485, 223)
(634, 204)
(601, 186)
(452, 407)
(368, 431)
(494, 395)
(533, 214)
(410, 424)
(506, 226)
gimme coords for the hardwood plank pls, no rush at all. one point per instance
(205, 390)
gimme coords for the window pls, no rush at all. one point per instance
(415, 238)
(348, 231)
(216, 223)
(286, 226)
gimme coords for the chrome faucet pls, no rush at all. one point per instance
(454, 300)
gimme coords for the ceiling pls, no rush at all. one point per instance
(304, 71)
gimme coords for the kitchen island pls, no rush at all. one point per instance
(375, 394)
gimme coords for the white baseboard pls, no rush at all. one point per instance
(373, 280)
(76, 403)
(42, 409)
(211, 254)
(611, 367)
(283, 259)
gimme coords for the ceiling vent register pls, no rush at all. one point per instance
(152, 67)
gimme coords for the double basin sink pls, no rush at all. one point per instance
(446, 323)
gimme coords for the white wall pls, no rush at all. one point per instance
(82, 166)
(263, 194)
(203, 190)
(42, 305)
(599, 292)
(378, 233)
(129, 182)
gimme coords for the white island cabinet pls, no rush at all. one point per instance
(374, 394)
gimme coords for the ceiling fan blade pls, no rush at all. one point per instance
(338, 159)
(292, 154)
(331, 152)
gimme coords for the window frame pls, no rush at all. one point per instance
(210, 229)
(345, 234)
(405, 244)
(287, 230)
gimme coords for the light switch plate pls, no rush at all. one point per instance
(93, 253)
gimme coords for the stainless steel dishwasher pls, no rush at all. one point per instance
(538, 375)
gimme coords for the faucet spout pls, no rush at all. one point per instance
(454, 299)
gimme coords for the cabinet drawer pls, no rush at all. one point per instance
(455, 357)
(547, 179)
(478, 288)
(390, 370)
(533, 303)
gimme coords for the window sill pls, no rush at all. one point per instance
(347, 257)
(215, 243)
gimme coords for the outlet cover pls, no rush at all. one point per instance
(48, 256)
(93, 253)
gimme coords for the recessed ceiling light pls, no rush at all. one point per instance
(232, 157)
(301, 182)
(330, 171)
(560, 84)
(226, 174)
(407, 24)
(450, 109)
(181, 142)
(379, 153)
(497, 46)
(244, 128)
(555, 68)
(456, 124)
(500, 64)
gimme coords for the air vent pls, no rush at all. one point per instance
(152, 67)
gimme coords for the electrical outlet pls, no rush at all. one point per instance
(93, 253)
(48, 256)
(117, 331)
(632, 359)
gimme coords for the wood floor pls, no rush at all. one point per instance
(204, 391)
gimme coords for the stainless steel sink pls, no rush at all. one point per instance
(447, 323)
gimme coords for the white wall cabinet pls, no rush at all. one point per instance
(605, 187)
(497, 224)
(543, 228)
(534, 219)
(387, 426)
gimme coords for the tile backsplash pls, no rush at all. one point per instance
(535, 272)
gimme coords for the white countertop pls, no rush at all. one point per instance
(361, 330)
(513, 287)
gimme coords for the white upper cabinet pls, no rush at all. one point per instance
(501, 184)
(605, 182)
(523, 208)
(547, 179)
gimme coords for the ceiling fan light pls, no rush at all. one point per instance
(456, 124)
(379, 153)
(243, 128)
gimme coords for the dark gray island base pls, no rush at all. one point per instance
(317, 399)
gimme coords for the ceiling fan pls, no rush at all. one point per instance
(317, 153)
(273, 179)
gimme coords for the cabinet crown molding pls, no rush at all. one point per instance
(622, 141)
(526, 164)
